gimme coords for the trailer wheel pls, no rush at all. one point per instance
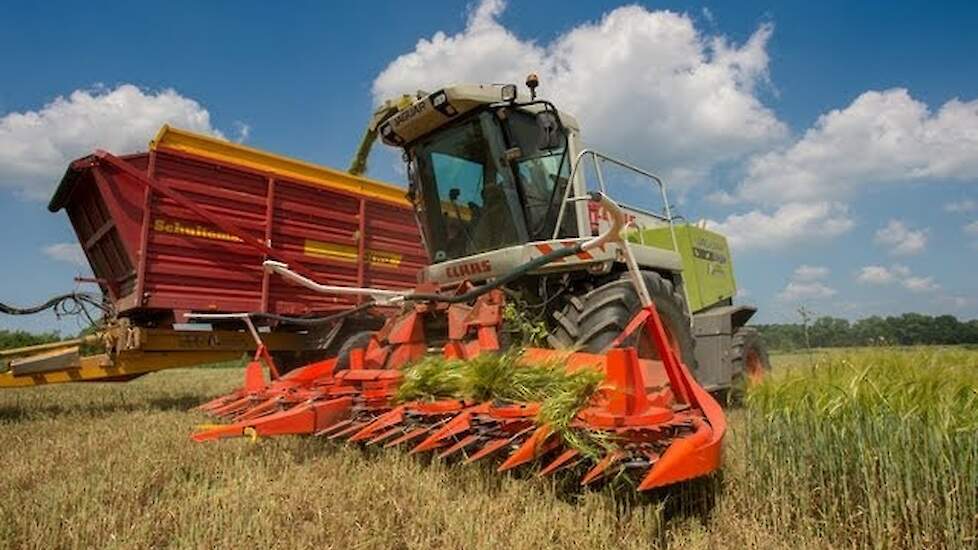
(592, 322)
(749, 362)
(358, 340)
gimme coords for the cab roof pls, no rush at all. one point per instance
(435, 110)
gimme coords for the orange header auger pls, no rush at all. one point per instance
(663, 427)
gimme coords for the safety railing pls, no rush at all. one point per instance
(597, 158)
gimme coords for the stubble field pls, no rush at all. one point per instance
(850, 448)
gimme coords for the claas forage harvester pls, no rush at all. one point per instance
(511, 224)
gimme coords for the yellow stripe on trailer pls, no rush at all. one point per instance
(242, 155)
(349, 253)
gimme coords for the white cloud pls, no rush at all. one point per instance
(810, 272)
(806, 285)
(902, 240)
(36, 146)
(722, 198)
(900, 270)
(66, 252)
(920, 284)
(875, 275)
(798, 291)
(708, 15)
(880, 275)
(881, 138)
(242, 130)
(646, 85)
(964, 205)
(790, 224)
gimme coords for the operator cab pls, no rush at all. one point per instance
(486, 171)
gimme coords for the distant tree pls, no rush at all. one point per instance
(908, 329)
(829, 332)
(948, 330)
(806, 320)
(872, 331)
(20, 338)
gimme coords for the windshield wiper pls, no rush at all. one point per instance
(554, 192)
(462, 222)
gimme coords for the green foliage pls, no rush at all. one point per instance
(19, 338)
(526, 331)
(906, 330)
(430, 378)
(561, 406)
(874, 448)
(503, 377)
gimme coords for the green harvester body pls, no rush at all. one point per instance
(707, 268)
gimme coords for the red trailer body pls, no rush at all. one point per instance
(186, 226)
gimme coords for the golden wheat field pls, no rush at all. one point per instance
(853, 448)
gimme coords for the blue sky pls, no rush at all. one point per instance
(841, 155)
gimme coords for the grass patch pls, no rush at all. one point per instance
(875, 448)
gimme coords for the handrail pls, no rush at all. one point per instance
(595, 155)
(645, 212)
(641, 231)
(380, 296)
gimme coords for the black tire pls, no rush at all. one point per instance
(591, 322)
(322, 345)
(749, 360)
(358, 340)
(286, 361)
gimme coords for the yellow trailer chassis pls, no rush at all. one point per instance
(131, 352)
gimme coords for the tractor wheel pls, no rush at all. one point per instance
(749, 363)
(591, 322)
(355, 341)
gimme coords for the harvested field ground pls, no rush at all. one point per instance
(112, 466)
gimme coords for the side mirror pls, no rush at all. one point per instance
(550, 134)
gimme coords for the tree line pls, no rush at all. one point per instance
(20, 338)
(909, 329)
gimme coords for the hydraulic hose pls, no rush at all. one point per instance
(311, 321)
(61, 304)
(505, 279)
(72, 303)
